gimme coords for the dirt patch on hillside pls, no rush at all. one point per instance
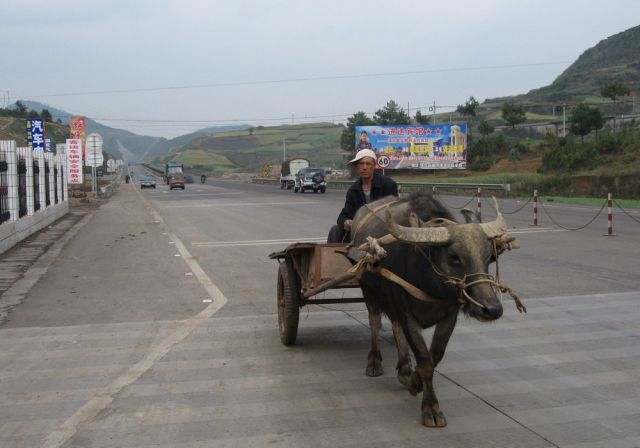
(527, 164)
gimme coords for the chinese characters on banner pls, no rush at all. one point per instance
(35, 134)
(416, 146)
(77, 126)
(74, 160)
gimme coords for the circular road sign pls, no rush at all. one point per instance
(384, 161)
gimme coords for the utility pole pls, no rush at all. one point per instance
(564, 120)
(284, 149)
(434, 112)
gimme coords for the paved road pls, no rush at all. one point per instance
(155, 326)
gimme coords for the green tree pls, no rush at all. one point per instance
(348, 136)
(422, 119)
(513, 114)
(485, 128)
(391, 113)
(614, 90)
(20, 109)
(585, 119)
(469, 109)
(46, 115)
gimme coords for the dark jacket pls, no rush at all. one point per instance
(381, 186)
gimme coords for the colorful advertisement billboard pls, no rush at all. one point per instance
(429, 147)
(35, 134)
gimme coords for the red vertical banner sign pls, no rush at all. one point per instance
(78, 130)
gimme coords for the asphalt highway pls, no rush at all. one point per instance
(156, 326)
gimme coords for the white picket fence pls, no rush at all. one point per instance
(33, 191)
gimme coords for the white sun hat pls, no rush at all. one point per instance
(363, 153)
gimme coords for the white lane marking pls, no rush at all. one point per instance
(541, 230)
(258, 243)
(238, 204)
(104, 397)
(323, 239)
(204, 194)
(286, 240)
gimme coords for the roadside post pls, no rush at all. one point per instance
(94, 157)
(609, 216)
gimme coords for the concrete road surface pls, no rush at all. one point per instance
(155, 326)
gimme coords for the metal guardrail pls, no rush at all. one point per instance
(406, 187)
(418, 186)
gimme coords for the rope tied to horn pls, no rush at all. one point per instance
(463, 283)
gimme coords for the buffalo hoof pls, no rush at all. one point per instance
(374, 364)
(415, 384)
(404, 375)
(433, 417)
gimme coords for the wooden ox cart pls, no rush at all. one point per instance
(308, 269)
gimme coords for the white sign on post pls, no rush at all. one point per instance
(93, 148)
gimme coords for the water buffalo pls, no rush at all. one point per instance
(443, 268)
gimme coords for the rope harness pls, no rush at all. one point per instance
(375, 253)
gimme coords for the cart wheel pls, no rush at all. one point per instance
(288, 303)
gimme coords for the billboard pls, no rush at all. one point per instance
(429, 147)
(35, 134)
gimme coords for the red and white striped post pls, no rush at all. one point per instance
(609, 216)
(535, 208)
(479, 206)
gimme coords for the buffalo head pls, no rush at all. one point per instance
(460, 255)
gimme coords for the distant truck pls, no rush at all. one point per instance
(172, 168)
(289, 170)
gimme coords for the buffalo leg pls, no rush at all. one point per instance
(374, 360)
(441, 336)
(432, 416)
(404, 359)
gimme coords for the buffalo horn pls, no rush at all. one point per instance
(497, 227)
(434, 236)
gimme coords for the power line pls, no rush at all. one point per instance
(292, 80)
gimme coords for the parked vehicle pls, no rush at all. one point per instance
(176, 181)
(147, 182)
(288, 172)
(171, 169)
(310, 179)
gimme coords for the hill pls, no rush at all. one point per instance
(248, 150)
(123, 144)
(615, 59)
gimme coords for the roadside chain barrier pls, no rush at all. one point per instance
(573, 228)
(609, 202)
(625, 212)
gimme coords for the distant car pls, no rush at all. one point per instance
(147, 182)
(176, 181)
(310, 179)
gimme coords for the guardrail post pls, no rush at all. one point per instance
(535, 208)
(9, 148)
(609, 216)
(434, 190)
(479, 206)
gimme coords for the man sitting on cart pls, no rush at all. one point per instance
(369, 187)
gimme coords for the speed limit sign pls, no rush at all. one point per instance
(384, 161)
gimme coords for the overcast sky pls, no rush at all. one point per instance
(166, 68)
